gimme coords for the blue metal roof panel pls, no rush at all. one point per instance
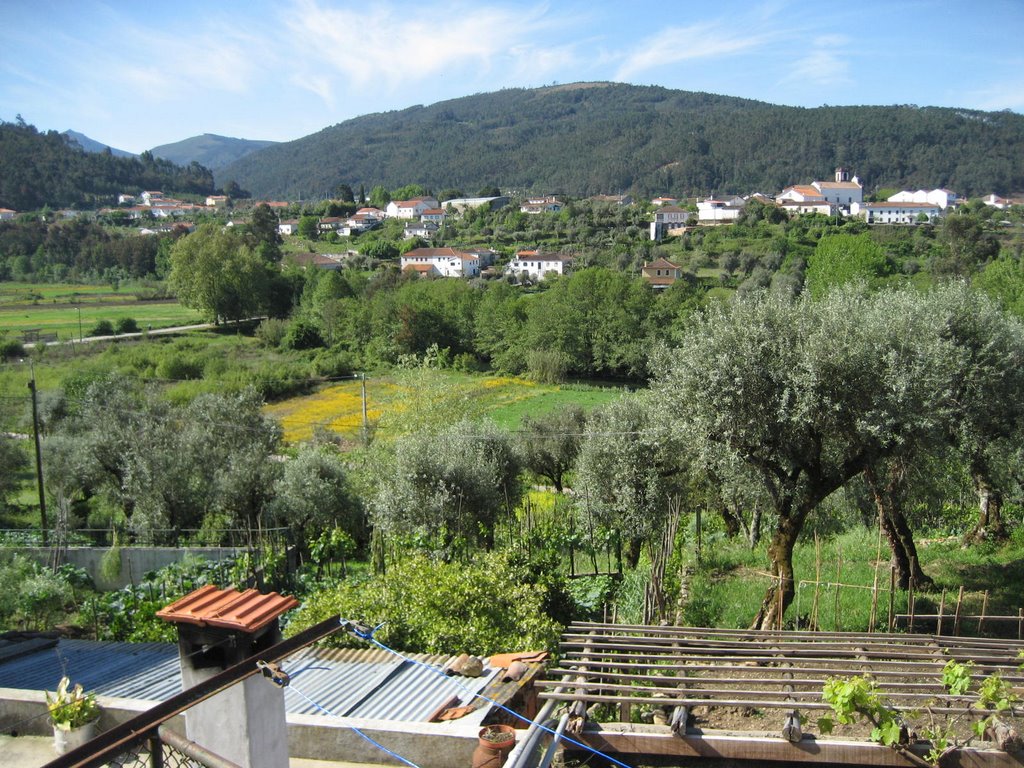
(370, 684)
(148, 671)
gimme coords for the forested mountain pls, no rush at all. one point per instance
(39, 169)
(588, 138)
(91, 145)
(209, 150)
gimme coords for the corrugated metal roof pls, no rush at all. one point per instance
(228, 608)
(147, 671)
(370, 684)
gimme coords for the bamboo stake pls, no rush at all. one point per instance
(892, 596)
(839, 574)
(817, 579)
(984, 609)
(942, 605)
(910, 597)
(956, 615)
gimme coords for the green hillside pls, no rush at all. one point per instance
(587, 138)
(45, 169)
(209, 150)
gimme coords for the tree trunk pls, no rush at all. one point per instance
(733, 524)
(990, 525)
(755, 525)
(906, 539)
(889, 503)
(632, 553)
(781, 591)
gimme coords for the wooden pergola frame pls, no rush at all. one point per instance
(676, 669)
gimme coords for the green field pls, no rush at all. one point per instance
(71, 310)
(390, 399)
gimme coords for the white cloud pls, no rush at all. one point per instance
(826, 63)
(383, 46)
(999, 95)
(676, 44)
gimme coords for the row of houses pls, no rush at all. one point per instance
(843, 196)
(532, 265)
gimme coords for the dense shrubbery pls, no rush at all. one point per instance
(482, 607)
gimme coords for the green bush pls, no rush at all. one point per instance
(126, 325)
(179, 367)
(302, 335)
(32, 597)
(480, 608)
(335, 363)
(102, 328)
(271, 331)
(547, 366)
(11, 349)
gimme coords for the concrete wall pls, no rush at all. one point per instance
(135, 561)
(428, 745)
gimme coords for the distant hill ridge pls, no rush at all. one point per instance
(91, 145)
(209, 150)
(588, 138)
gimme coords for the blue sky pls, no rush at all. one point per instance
(136, 75)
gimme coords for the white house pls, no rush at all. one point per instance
(537, 265)
(330, 224)
(424, 229)
(541, 205)
(997, 202)
(719, 211)
(842, 192)
(660, 201)
(668, 220)
(448, 262)
(801, 193)
(940, 197)
(410, 209)
(217, 201)
(895, 213)
(808, 206)
(436, 215)
(6, 214)
(288, 227)
(151, 197)
(460, 204)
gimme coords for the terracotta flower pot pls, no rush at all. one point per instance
(495, 743)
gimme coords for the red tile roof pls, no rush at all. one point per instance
(227, 608)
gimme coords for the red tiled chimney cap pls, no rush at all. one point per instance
(246, 611)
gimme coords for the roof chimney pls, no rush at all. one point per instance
(218, 628)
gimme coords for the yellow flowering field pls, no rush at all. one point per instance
(405, 399)
(337, 408)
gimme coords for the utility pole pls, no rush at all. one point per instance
(39, 452)
(362, 377)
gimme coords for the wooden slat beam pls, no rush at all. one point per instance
(637, 739)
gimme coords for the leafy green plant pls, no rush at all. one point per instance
(71, 707)
(956, 677)
(859, 698)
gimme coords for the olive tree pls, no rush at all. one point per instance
(807, 394)
(627, 472)
(449, 486)
(550, 442)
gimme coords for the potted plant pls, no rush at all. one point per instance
(494, 744)
(73, 714)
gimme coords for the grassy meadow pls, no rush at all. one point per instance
(68, 310)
